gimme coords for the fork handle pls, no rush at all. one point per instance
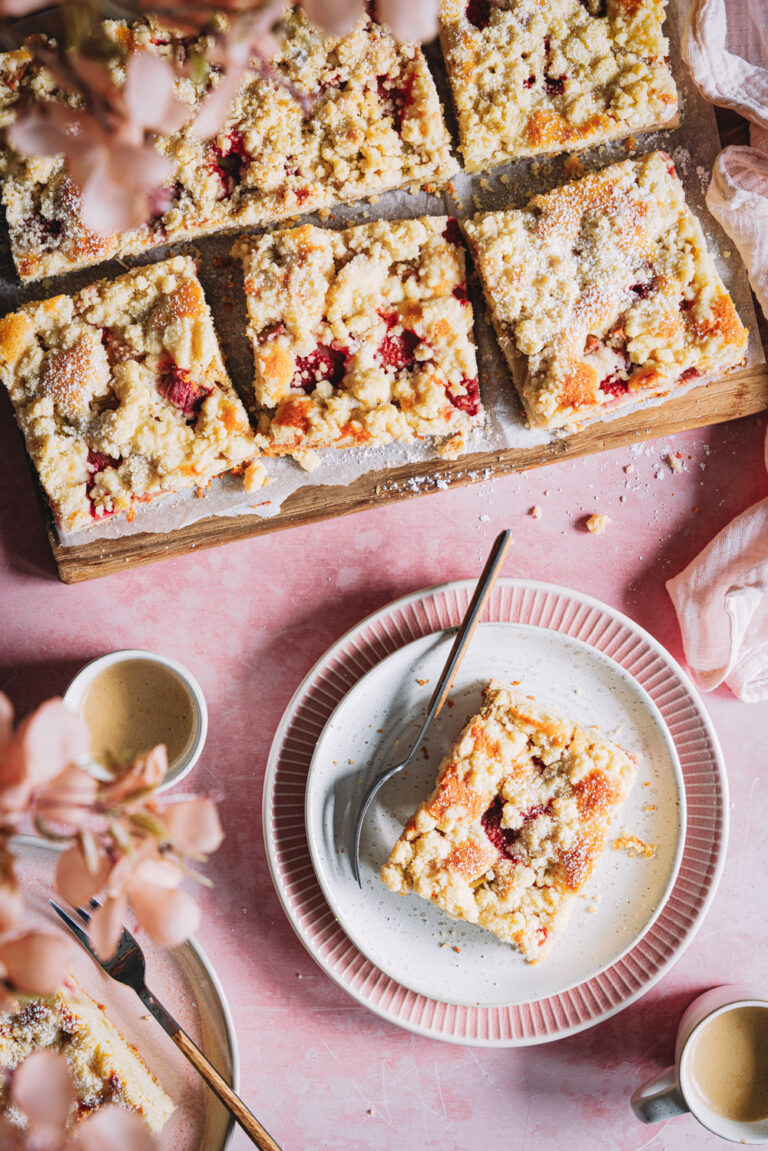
(247, 1120)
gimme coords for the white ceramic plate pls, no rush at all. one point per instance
(542, 606)
(376, 724)
(185, 982)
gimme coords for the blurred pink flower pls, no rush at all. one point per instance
(409, 20)
(42, 1089)
(115, 169)
(338, 17)
(43, 745)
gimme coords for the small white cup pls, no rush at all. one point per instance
(672, 1091)
(78, 688)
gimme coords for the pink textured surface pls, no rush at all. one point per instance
(251, 619)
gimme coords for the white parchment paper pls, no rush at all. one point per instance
(693, 147)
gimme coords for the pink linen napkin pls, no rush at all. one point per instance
(721, 598)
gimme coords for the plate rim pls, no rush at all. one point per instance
(39, 842)
(368, 621)
(677, 772)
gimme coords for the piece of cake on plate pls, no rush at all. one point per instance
(105, 1068)
(530, 78)
(602, 293)
(516, 823)
(353, 116)
(122, 394)
(361, 337)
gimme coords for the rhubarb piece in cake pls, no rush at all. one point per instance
(122, 395)
(516, 823)
(353, 117)
(362, 336)
(530, 78)
(602, 293)
(105, 1068)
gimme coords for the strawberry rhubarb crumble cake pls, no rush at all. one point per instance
(362, 336)
(122, 395)
(105, 1068)
(602, 292)
(516, 823)
(536, 76)
(354, 117)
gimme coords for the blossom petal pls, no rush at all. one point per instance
(106, 926)
(149, 94)
(194, 827)
(11, 906)
(157, 873)
(45, 134)
(112, 1129)
(215, 107)
(42, 1088)
(168, 917)
(36, 961)
(409, 20)
(68, 798)
(75, 881)
(338, 17)
(6, 718)
(145, 772)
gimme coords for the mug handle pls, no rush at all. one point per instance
(659, 1098)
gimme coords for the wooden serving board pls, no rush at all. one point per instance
(741, 394)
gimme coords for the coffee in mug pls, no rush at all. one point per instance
(720, 1073)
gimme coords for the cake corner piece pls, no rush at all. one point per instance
(603, 294)
(122, 395)
(516, 823)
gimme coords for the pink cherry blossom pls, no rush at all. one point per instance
(43, 745)
(338, 17)
(36, 961)
(144, 773)
(113, 167)
(107, 924)
(11, 905)
(69, 797)
(409, 20)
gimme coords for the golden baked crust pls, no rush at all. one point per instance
(373, 122)
(516, 823)
(536, 76)
(105, 1068)
(362, 336)
(122, 395)
(602, 293)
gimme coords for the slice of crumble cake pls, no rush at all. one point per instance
(516, 823)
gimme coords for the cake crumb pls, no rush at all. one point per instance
(422, 682)
(535, 512)
(629, 468)
(675, 461)
(597, 523)
(634, 846)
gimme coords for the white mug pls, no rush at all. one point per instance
(673, 1092)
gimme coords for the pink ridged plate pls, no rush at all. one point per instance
(633, 652)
